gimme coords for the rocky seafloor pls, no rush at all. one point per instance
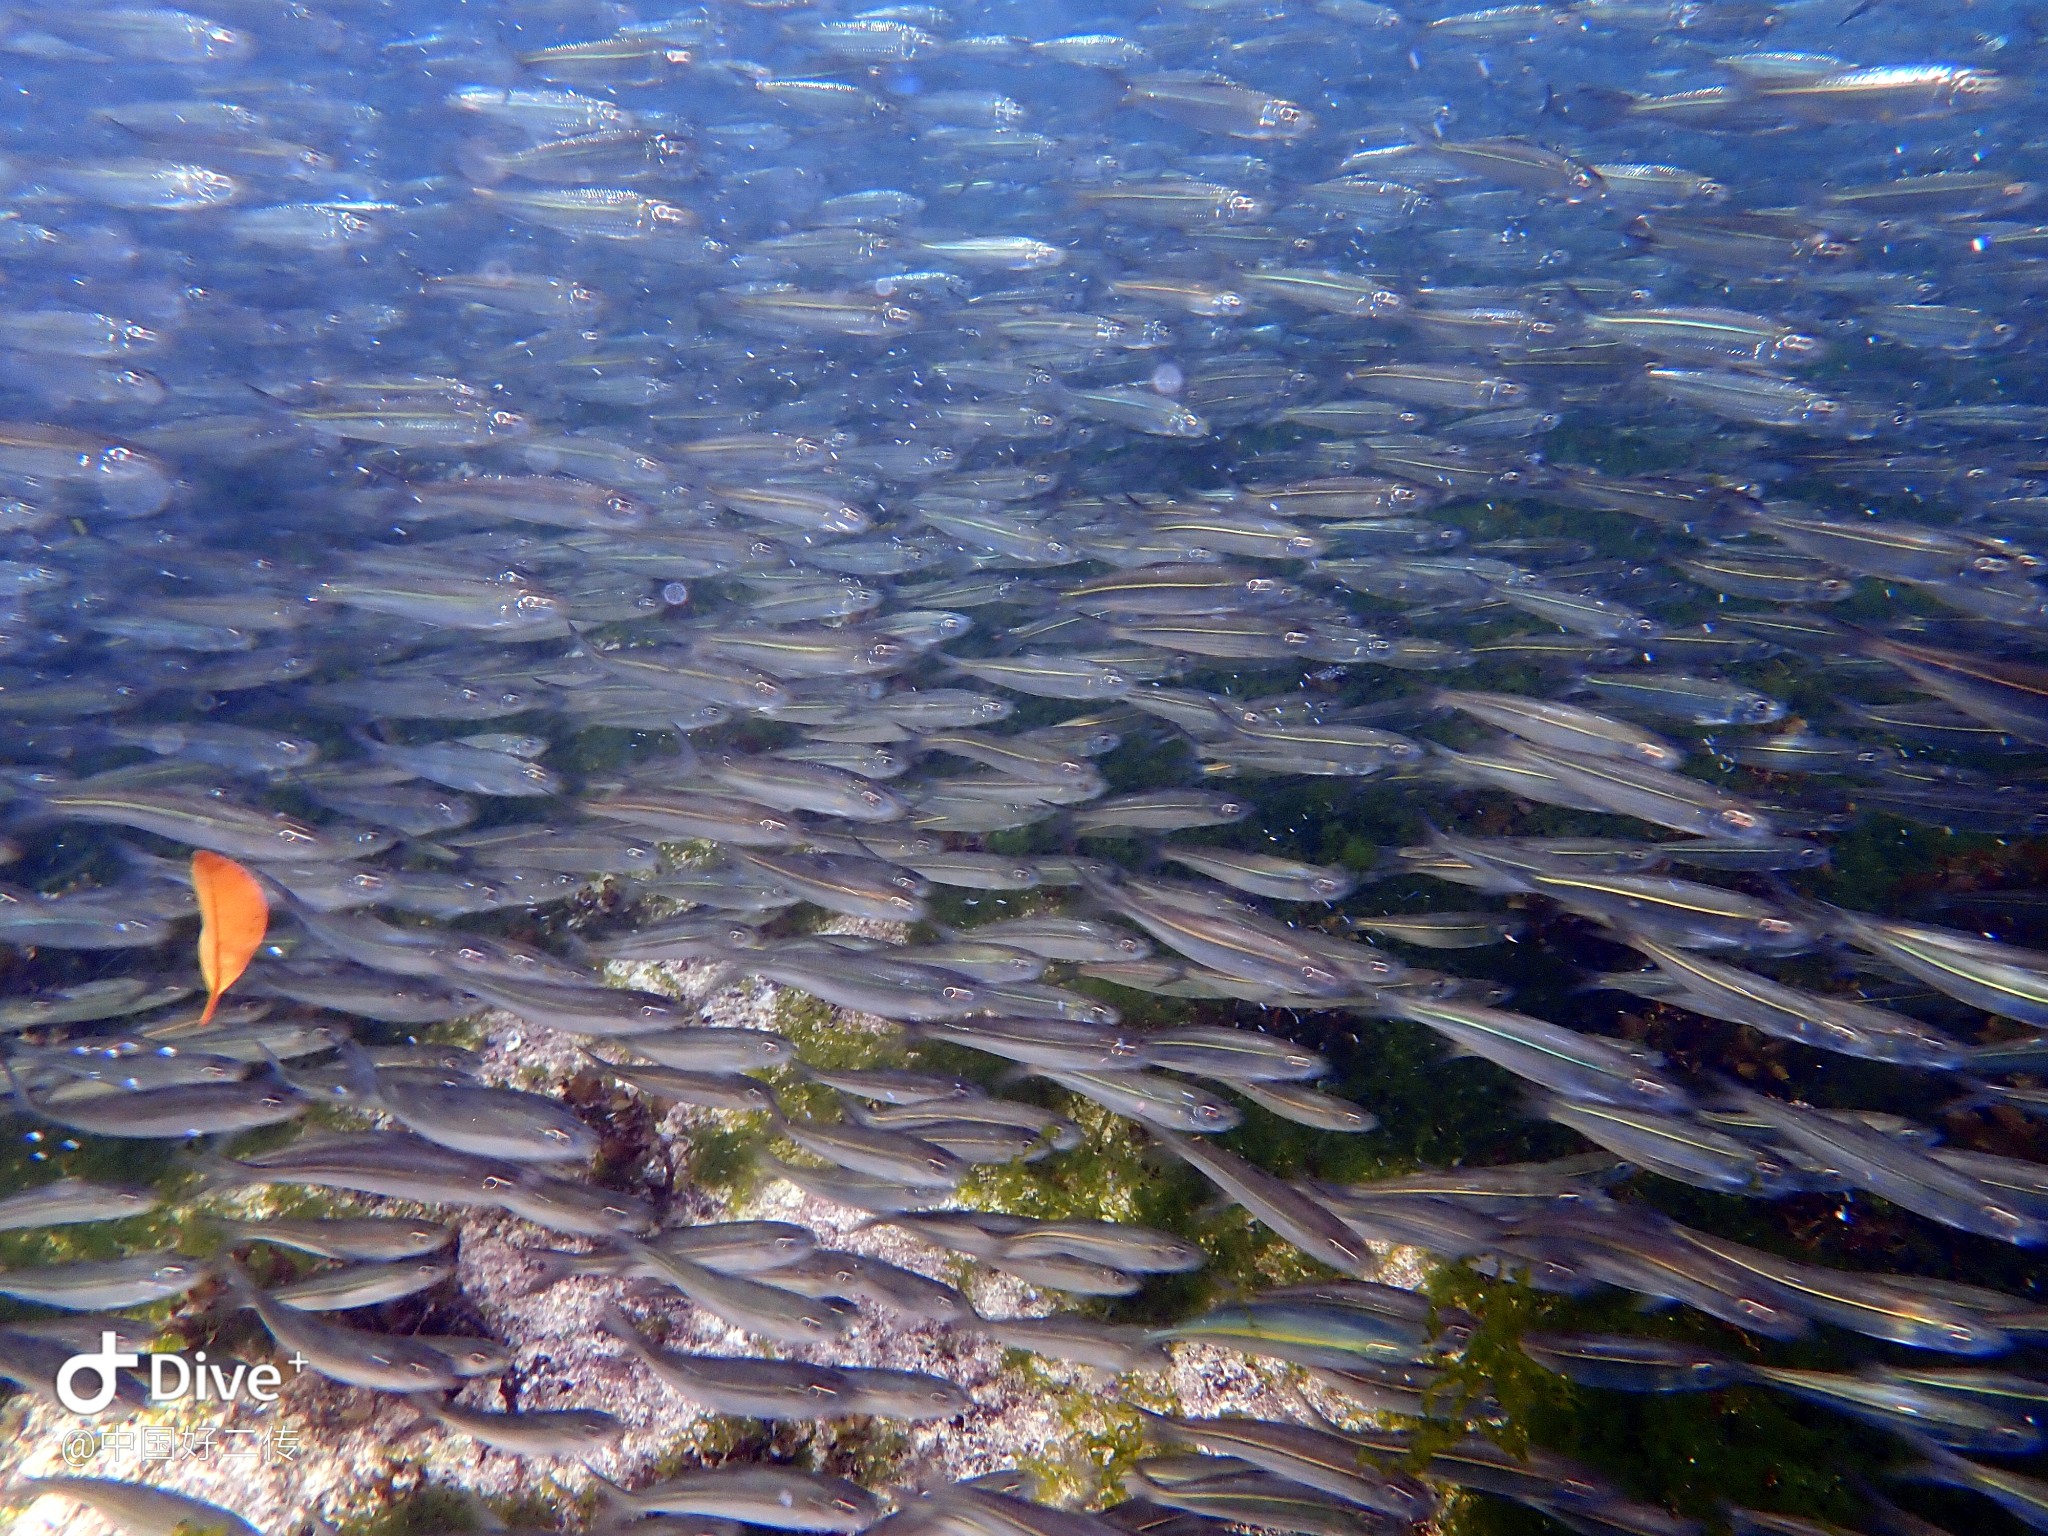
(369, 1462)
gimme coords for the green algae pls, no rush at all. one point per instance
(722, 1147)
(1101, 1436)
(1100, 1441)
(427, 1509)
(825, 1037)
(1691, 1452)
(719, 1158)
(861, 1448)
(1695, 1453)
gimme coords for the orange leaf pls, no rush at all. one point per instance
(233, 917)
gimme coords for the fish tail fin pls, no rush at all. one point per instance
(1979, 1094)
(240, 1287)
(1585, 304)
(613, 1320)
(743, 71)
(17, 1090)
(483, 165)
(852, 1110)
(1442, 763)
(425, 1406)
(362, 1071)
(229, 1229)
(270, 1060)
(553, 1263)
(1824, 919)
(1587, 106)
(1099, 883)
(1936, 1464)
(217, 1174)
(21, 790)
(720, 975)
(1426, 130)
(610, 1495)
(1386, 863)
(1316, 1416)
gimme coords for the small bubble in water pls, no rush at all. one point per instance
(675, 593)
(1167, 379)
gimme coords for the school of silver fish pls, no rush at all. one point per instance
(1225, 505)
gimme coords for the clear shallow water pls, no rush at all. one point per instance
(550, 485)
